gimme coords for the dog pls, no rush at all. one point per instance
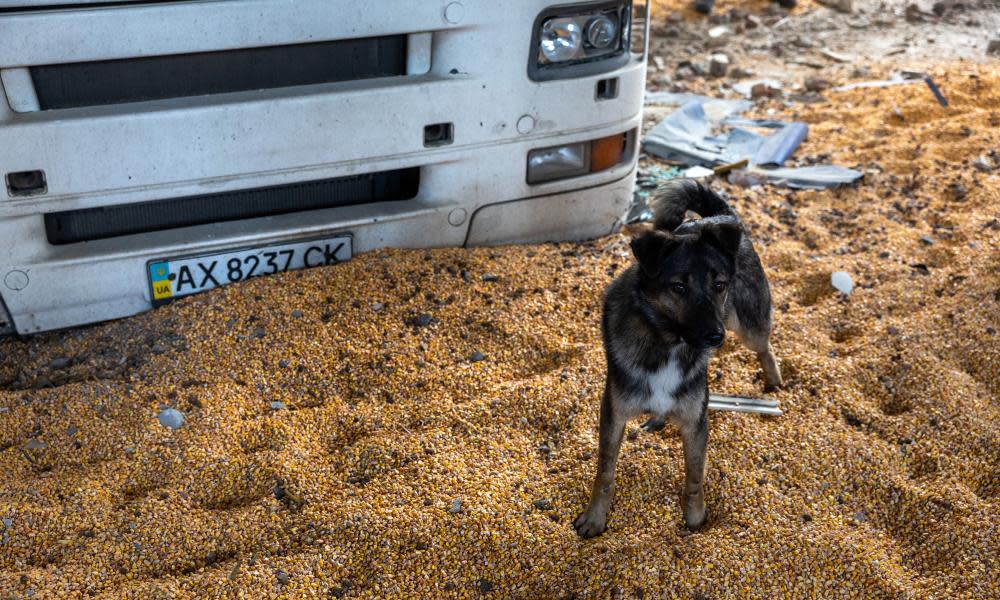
(663, 317)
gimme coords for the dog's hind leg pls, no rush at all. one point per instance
(594, 520)
(654, 424)
(695, 437)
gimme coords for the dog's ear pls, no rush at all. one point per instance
(634, 230)
(651, 249)
(724, 235)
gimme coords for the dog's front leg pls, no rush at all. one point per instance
(594, 520)
(695, 437)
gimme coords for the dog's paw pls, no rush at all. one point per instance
(695, 517)
(653, 425)
(590, 525)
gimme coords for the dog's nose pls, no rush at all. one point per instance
(715, 340)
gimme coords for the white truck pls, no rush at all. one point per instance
(154, 149)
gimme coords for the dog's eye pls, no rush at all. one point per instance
(679, 288)
(719, 286)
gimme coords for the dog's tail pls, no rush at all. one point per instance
(674, 200)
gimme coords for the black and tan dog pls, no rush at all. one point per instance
(662, 318)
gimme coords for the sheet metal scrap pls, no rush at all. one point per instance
(818, 177)
(686, 137)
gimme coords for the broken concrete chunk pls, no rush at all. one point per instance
(759, 88)
(763, 90)
(718, 65)
(719, 32)
(816, 84)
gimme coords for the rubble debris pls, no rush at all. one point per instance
(806, 63)
(719, 34)
(936, 91)
(835, 56)
(776, 148)
(842, 282)
(715, 108)
(746, 179)
(171, 418)
(682, 135)
(984, 164)
(914, 14)
(650, 177)
(543, 504)
(686, 137)
(35, 444)
(723, 169)
(905, 78)
(718, 65)
(816, 84)
(816, 177)
(844, 6)
(697, 172)
(746, 88)
(740, 73)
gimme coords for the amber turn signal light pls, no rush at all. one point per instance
(606, 152)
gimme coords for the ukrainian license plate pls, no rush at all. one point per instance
(177, 277)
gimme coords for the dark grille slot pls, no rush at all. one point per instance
(155, 78)
(98, 223)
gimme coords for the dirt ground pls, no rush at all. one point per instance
(423, 424)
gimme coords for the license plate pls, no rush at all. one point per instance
(177, 277)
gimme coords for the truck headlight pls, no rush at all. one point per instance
(592, 33)
(602, 32)
(562, 40)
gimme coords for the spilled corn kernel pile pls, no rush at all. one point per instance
(422, 424)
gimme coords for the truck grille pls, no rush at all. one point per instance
(160, 77)
(106, 222)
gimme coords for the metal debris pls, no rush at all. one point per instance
(686, 137)
(905, 78)
(761, 406)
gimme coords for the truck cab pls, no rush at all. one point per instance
(149, 150)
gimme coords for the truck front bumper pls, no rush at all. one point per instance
(109, 281)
